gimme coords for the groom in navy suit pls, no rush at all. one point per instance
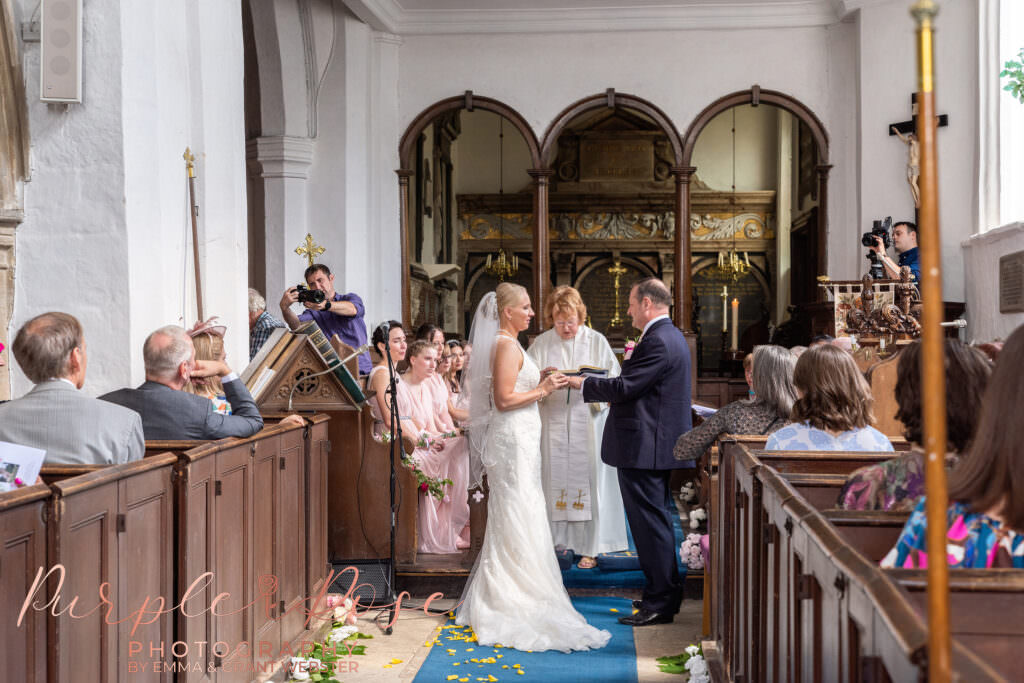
(650, 408)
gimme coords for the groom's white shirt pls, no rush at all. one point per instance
(663, 316)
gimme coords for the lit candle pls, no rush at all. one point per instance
(735, 323)
(725, 308)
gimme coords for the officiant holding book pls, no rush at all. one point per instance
(582, 493)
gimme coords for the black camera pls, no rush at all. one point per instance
(881, 229)
(314, 296)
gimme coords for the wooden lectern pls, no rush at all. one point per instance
(303, 373)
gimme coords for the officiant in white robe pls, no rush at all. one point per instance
(581, 492)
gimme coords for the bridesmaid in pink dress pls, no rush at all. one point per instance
(443, 525)
(377, 381)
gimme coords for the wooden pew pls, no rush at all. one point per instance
(116, 526)
(242, 515)
(800, 603)
(722, 514)
(820, 490)
(872, 533)
(23, 541)
(985, 609)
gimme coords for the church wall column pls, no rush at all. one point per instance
(683, 295)
(282, 164)
(823, 236)
(403, 221)
(541, 243)
(783, 214)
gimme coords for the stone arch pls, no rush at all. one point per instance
(469, 102)
(609, 99)
(682, 299)
(755, 96)
(407, 147)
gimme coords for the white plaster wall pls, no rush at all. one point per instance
(888, 75)
(72, 248)
(981, 265)
(757, 141)
(182, 75)
(352, 187)
(681, 72)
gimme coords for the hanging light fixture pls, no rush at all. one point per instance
(502, 265)
(730, 265)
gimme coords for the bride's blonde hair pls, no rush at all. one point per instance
(508, 294)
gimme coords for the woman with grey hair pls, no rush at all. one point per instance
(769, 410)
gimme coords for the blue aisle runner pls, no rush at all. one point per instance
(454, 655)
(618, 570)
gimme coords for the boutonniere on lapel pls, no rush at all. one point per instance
(630, 345)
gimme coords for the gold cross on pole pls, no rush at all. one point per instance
(309, 249)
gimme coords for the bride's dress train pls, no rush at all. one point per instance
(514, 595)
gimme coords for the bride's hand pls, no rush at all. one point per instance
(553, 382)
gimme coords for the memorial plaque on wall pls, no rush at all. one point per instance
(1011, 283)
(618, 158)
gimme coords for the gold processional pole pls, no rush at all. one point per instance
(933, 386)
(190, 167)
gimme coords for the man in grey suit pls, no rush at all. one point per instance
(55, 416)
(170, 413)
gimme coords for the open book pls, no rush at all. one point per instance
(585, 371)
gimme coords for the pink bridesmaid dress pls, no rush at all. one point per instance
(440, 523)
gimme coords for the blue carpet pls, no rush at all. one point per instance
(452, 655)
(621, 569)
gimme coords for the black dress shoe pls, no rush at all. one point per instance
(646, 617)
(676, 603)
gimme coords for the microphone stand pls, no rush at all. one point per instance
(396, 441)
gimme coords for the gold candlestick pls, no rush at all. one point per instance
(618, 271)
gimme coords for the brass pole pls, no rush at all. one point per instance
(194, 212)
(933, 385)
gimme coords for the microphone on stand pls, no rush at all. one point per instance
(358, 352)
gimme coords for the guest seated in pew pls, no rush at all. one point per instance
(261, 323)
(443, 525)
(170, 413)
(897, 484)
(772, 383)
(985, 518)
(208, 341)
(55, 415)
(833, 408)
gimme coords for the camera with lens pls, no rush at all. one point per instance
(881, 230)
(306, 294)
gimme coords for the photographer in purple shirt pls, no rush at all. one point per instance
(340, 314)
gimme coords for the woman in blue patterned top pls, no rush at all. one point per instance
(833, 411)
(986, 517)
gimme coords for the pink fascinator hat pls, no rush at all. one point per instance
(211, 326)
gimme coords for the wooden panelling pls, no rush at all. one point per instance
(22, 554)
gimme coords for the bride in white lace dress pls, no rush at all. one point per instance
(514, 595)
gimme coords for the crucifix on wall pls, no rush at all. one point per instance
(906, 131)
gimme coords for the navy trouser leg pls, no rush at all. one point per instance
(643, 495)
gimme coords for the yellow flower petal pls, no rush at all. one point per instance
(396, 661)
(521, 672)
(491, 678)
(469, 649)
(387, 666)
(504, 666)
(517, 666)
(613, 610)
(452, 677)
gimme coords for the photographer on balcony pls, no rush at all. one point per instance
(334, 313)
(904, 241)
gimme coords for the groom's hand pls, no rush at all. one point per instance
(547, 371)
(575, 382)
